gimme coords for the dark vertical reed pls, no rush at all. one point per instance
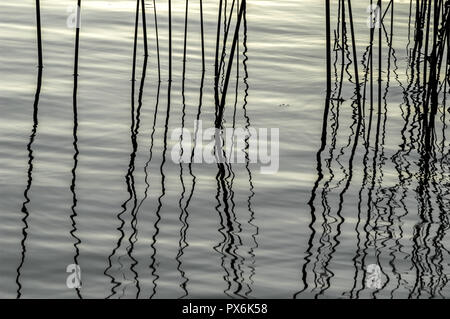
(219, 118)
(216, 63)
(75, 139)
(307, 258)
(182, 243)
(161, 169)
(25, 204)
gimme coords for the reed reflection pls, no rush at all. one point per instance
(129, 177)
(380, 230)
(25, 210)
(74, 214)
(380, 191)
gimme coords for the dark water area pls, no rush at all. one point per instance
(93, 116)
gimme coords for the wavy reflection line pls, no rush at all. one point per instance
(155, 114)
(74, 214)
(252, 218)
(182, 243)
(415, 126)
(183, 239)
(153, 264)
(320, 270)
(444, 225)
(129, 178)
(230, 237)
(405, 173)
(134, 212)
(381, 192)
(229, 231)
(368, 66)
(238, 260)
(25, 204)
(241, 259)
(403, 182)
(135, 132)
(388, 217)
(357, 120)
(423, 262)
(219, 246)
(319, 170)
(339, 215)
(442, 195)
(362, 257)
(371, 205)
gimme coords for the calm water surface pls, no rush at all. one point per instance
(87, 180)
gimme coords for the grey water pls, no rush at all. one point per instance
(87, 178)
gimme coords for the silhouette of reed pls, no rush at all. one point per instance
(182, 244)
(74, 214)
(380, 193)
(129, 177)
(155, 113)
(135, 132)
(153, 265)
(230, 227)
(357, 122)
(221, 106)
(252, 217)
(27, 201)
(380, 231)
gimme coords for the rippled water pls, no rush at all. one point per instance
(86, 175)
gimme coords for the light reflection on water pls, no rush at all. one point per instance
(85, 177)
